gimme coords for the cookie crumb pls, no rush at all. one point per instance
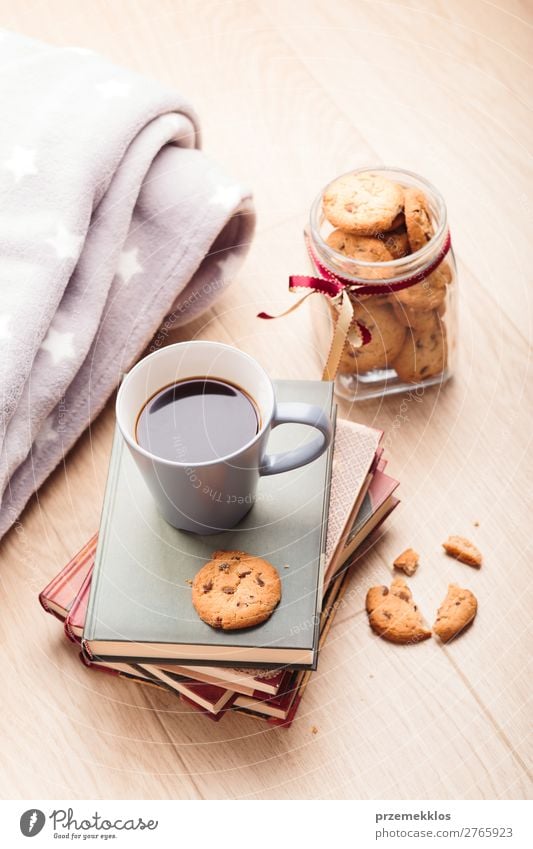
(286, 566)
(314, 729)
(189, 581)
(476, 524)
(464, 550)
(407, 561)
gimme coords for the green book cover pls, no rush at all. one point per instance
(140, 606)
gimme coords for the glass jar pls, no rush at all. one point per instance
(397, 330)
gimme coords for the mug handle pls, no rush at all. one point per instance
(308, 414)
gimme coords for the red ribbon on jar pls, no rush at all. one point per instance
(335, 286)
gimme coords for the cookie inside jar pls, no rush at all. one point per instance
(382, 235)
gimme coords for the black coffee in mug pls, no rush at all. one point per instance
(197, 420)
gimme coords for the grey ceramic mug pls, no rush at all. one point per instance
(213, 496)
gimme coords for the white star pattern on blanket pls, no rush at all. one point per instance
(97, 200)
(22, 162)
(5, 332)
(113, 88)
(58, 345)
(47, 432)
(128, 265)
(65, 243)
(226, 196)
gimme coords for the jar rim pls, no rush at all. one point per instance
(420, 256)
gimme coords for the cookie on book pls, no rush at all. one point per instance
(235, 590)
(393, 615)
(365, 203)
(407, 561)
(464, 550)
(456, 612)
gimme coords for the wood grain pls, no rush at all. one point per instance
(289, 95)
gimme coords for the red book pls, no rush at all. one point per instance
(216, 717)
(377, 504)
(275, 706)
(122, 670)
(209, 697)
(58, 596)
(75, 610)
(245, 681)
(75, 621)
(282, 710)
(76, 578)
(291, 713)
(269, 695)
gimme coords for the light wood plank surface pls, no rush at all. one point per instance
(289, 95)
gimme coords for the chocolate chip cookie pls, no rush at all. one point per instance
(397, 243)
(366, 248)
(456, 612)
(388, 337)
(365, 203)
(417, 219)
(426, 295)
(393, 615)
(418, 319)
(235, 590)
(424, 353)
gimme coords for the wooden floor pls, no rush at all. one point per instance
(291, 94)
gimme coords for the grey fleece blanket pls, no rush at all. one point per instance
(111, 219)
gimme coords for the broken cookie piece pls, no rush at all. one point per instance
(456, 612)
(464, 550)
(407, 561)
(393, 615)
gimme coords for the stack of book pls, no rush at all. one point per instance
(125, 598)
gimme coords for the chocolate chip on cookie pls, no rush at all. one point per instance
(456, 612)
(235, 590)
(365, 203)
(464, 550)
(393, 615)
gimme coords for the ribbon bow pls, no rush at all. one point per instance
(335, 286)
